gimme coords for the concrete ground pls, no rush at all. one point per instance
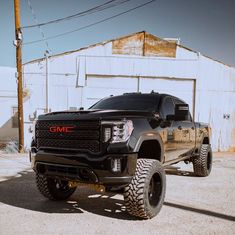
(193, 205)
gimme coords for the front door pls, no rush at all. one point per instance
(173, 142)
(187, 126)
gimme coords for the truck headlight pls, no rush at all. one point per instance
(117, 131)
(107, 134)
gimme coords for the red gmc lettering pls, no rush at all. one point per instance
(60, 129)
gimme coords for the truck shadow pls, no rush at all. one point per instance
(22, 192)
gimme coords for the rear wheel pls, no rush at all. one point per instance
(144, 196)
(54, 189)
(203, 163)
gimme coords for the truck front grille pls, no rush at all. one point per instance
(85, 135)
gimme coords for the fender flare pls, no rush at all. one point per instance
(205, 135)
(150, 136)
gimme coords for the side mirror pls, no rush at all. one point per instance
(181, 112)
(81, 108)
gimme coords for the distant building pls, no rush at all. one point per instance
(138, 62)
(8, 105)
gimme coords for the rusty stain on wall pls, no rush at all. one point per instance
(155, 46)
(130, 45)
(144, 44)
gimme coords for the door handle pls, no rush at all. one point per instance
(180, 127)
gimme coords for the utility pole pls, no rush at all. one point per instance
(47, 81)
(18, 44)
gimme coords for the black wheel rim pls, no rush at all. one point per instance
(61, 185)
(155, 189)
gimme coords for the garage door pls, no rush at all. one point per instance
(98, 87)
(184, 89)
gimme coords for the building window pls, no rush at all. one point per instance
(15, 117)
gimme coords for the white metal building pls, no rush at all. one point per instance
(8, 105)
(137, 62)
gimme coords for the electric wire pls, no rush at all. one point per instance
(90, 25)
(101, 7)
(40, 29)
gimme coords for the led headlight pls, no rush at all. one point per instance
(107, 134)
(118, 131)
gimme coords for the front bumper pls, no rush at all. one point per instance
(85, 168)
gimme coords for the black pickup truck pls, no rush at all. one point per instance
(120, 142)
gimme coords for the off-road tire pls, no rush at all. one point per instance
(202, 164)
(53, 189)
(138, 199)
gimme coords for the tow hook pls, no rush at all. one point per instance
(97, 187)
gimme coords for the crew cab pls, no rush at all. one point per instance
(120, 142)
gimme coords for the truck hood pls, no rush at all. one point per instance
(94, 114)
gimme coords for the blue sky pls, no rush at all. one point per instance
(203, 25)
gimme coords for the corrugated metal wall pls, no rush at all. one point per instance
(8, 104)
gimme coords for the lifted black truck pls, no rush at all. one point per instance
(120, 142)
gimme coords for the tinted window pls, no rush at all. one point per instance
(168, 107)
(129, 102)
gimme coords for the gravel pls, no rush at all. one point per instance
(193, 205)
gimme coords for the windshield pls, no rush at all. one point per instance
(129, 102)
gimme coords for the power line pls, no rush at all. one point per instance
(101, 7)
(36, 21)
(89, 25)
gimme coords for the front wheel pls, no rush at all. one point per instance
(53, 189)
(144, 196)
